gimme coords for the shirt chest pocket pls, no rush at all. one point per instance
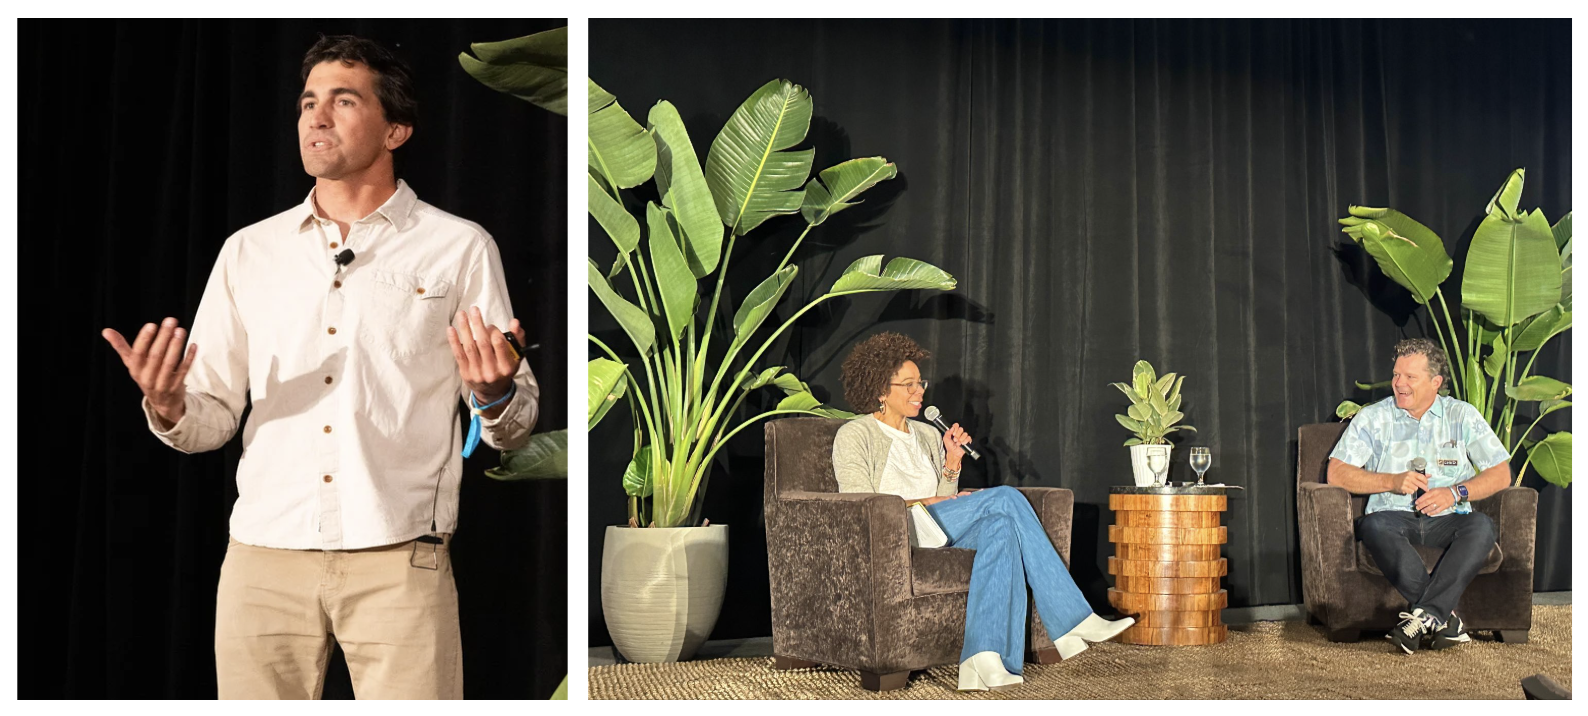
(1452, 464)
(404, 314)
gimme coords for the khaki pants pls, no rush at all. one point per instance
(394, 610)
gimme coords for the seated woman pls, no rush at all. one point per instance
(887, 452)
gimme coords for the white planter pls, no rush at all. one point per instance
(662, 589)
(1138, 463)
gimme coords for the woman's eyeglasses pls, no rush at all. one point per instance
(911, 387)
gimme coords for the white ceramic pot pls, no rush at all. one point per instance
(662, 589)
(1138, 463)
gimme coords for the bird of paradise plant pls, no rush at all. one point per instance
(684, 395)
(1515, 297)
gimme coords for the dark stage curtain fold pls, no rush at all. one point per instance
(143, 146)
(1107, 191)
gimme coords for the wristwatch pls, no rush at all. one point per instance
(1462, 491)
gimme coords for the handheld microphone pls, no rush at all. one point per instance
(1420, 466)
(936, 416)
(344, 258)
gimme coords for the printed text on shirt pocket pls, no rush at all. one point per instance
(1452, 462)
(407, 314)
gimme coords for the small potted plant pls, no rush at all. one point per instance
(1153, 414)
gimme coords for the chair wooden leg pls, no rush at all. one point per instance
(1345, 635)
(1049, 655)
(884, 682)
(784, 663)
(1511, 636)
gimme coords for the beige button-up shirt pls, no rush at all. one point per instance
(354, 439)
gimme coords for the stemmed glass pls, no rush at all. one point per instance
(1201, 460)
(1158, 463)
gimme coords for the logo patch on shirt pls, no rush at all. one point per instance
(1448, 463)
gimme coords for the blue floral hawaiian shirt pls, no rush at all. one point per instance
(1452, 436)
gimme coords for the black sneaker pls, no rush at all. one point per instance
(1408, 634)
(1454, 634)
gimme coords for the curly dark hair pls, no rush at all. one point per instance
(870, 367)
(394, 81)
(1438, 364)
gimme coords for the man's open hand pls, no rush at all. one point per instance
(155, 361)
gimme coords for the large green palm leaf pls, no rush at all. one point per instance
(1562, 231)
(544, 457)
(1411, 254)
(867, 274)
(674, 283)
(621, 152)
(533, 68)
(1513, 269)
(606, 385)
(1503, 203)
(751, 178)
(613, 218)
(632, 318)
(759, 304)
(840, 184)
(1552, 458)
(684, 190)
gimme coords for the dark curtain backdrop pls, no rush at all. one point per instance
(143, 146)
(1108, 191)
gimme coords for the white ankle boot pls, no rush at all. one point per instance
(984, 671)
(1095, 628)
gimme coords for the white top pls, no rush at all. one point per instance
(908, 472)
(354, 440)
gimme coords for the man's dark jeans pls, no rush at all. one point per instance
(1467, 539)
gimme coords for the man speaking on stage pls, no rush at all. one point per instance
(336, 318)
(1424, 458)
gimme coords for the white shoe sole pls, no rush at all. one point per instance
(984, 671)
(1095, 628)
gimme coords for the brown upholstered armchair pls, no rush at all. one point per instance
(1345, 591)
(848, 590)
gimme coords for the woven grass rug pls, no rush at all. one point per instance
(1265, 660)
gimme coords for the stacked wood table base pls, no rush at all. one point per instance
(1167, 566)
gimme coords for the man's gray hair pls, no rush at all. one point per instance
(1438, 364)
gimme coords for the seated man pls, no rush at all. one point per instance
(1464, 461)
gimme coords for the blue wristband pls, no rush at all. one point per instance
(476, 410)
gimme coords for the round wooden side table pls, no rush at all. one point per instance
(1166, 564)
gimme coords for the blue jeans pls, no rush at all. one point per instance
(1012, 551)
(1467, 539)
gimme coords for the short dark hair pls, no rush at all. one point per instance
(1438, 364)
(870, 367)
(394, 81)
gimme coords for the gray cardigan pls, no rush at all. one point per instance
(860, 452)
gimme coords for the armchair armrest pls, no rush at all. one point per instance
(1328, 535)
(1055, 508)
(853, 548)
(1515, 514)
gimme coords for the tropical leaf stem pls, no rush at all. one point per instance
(791, 249)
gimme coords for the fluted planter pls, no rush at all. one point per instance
(1138, 463)
(662, 589)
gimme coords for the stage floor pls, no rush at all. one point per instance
(1261, 660)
